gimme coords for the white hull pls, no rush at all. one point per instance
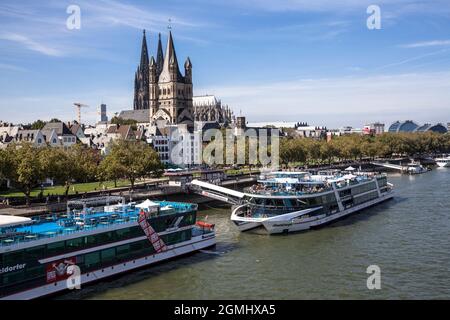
(443, 164)
(246, 226)
(195, 244)
(293, 226)
(290, 222)
(242, 223)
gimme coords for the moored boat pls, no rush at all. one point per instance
(294, 201)
(443, 162)
(37, 254)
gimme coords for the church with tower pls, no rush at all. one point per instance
(167, 93)
(161, 88)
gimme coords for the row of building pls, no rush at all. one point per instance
(375, 128)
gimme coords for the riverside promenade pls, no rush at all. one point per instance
(159, 191)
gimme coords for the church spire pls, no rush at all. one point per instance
(144, 52)
(170, 66)
(159, 56)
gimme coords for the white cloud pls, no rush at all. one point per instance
(433, 43)
(115, 13)
(31, 44)
(11, 67)
(346, 100)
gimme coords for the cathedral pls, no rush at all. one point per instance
(161, 88)
(167, 94)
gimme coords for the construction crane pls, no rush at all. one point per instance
(79, 106)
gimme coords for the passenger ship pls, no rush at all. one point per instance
(293, 201)
(36, 254)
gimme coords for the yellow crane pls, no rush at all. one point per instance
(79, 106)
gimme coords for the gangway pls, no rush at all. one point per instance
(216, 192)
(390, 165)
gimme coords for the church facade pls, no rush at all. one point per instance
(167, 94)
(161, 88)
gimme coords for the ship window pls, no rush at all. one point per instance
(123, 233)
(34, 271)
(13, 277)
(55, 248)
(108, 255)
(75, 243)
(92, 259)
(91, 240)
(12, 257)
(287, 203)
(34, 253)
(122, 251)
(104, 237)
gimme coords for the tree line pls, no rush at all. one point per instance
(27, 167)
(356, 147)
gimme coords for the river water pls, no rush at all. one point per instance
(408, 238)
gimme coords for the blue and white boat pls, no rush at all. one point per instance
(284, 202)
(38, 255)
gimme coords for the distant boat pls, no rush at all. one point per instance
(416, 168)
(443, 162)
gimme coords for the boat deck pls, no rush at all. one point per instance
(59, 225)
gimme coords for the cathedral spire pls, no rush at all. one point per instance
(141, 88)
(144, 52)
(159, 56)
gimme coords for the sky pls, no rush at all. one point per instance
(270, 60)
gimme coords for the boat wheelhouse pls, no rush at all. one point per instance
(292, 201)
(36, 253)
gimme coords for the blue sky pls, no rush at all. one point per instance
(285, 60)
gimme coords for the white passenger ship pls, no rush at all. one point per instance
(294, 201)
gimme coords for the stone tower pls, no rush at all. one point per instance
(141, 80)
(170, 93)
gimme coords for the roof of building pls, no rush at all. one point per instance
(207, 100)
(411, 126)
(47, 134)
(59, 127)
(141, 116)
(75, 127)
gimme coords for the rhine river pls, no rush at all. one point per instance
(408, 238)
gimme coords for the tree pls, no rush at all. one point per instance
(328, 151)
(38, 125)
(135, 160)
(86, 160)
(23, 167)
(120, 121)
(110, 169)
(59, 165)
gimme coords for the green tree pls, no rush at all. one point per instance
(60, 166)
(23, 167)
(38, 125)
(110, 169)
(120, 121)
(135, 159)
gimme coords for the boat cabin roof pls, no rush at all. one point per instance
(10, 221)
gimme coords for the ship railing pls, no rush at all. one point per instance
(26, 237)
